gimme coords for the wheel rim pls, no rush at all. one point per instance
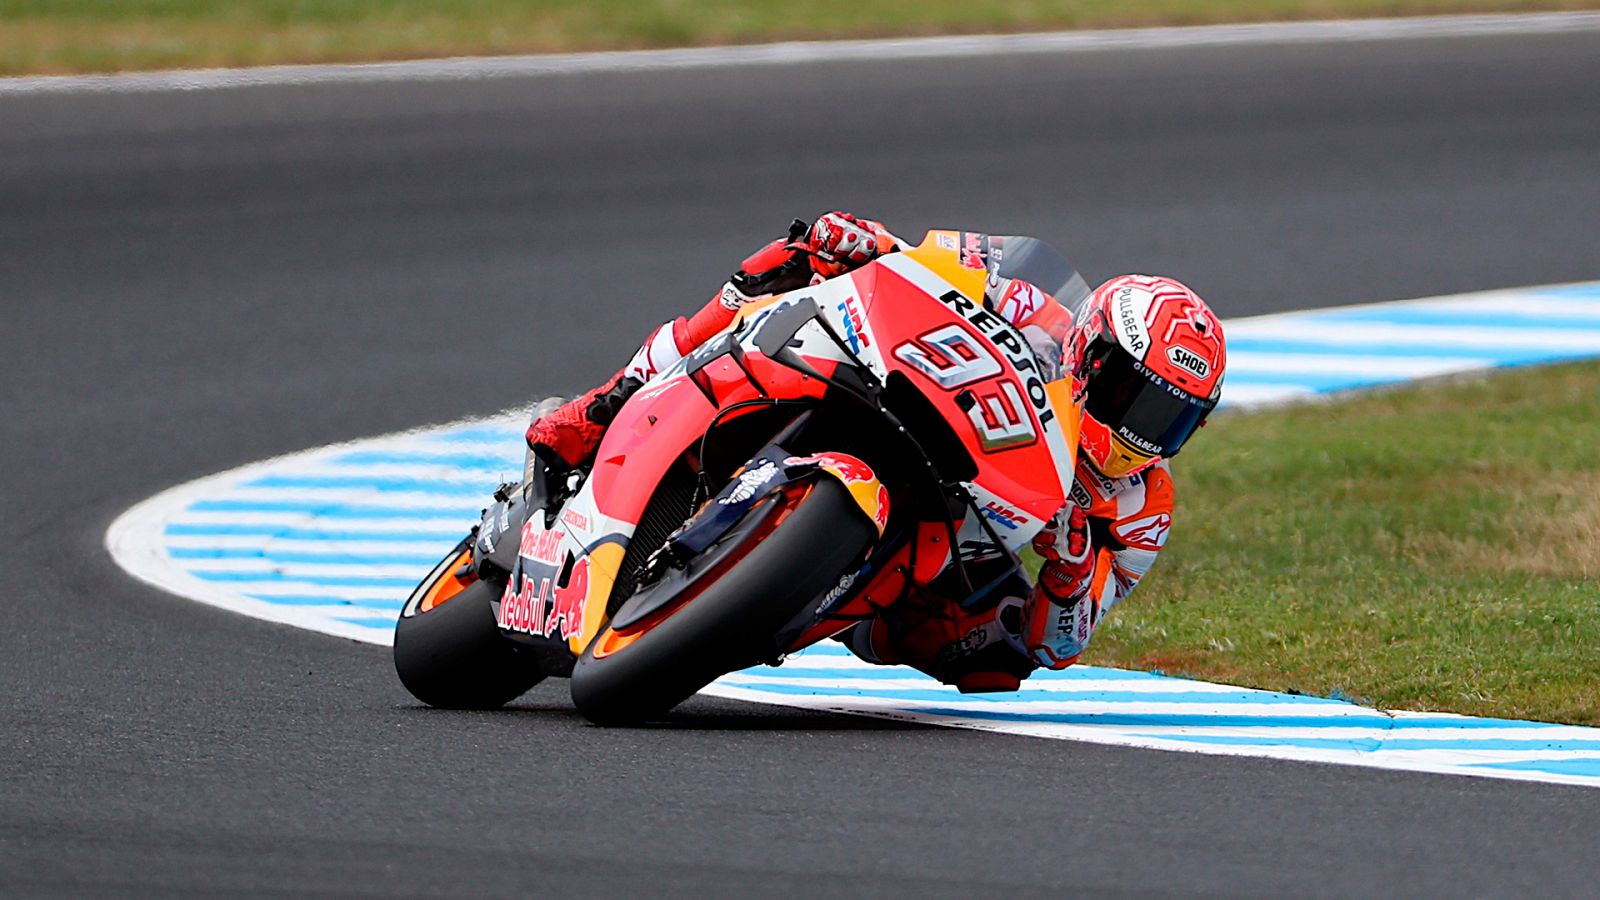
(448, 585)
(611, 641)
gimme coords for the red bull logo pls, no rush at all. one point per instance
(544, 611)
(846, 467)
(858, 478)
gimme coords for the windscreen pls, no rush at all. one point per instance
(1034, 261)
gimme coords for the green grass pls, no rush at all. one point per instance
(1436, 547)
(61, 36)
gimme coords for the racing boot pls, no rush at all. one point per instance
(566, 437)
(976, 652)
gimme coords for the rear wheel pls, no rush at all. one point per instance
(730, 623)
(448, 649)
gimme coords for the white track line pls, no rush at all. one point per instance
(1441, 761)
(810, 53)
(138, 543)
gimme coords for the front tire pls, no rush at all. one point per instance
(452, 654)
(729, 625)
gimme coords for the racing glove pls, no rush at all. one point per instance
(839, 242)
(1068, 558)
(1061, 614)
(783, 265)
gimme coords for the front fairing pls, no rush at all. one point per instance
(922, 314)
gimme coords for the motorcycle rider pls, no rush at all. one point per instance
(1146, 357)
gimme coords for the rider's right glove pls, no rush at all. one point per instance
(839, 242)
(1060, 616)
(832, 245)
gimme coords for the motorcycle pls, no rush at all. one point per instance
(865, 441)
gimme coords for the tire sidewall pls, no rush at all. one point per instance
(453, 656)
(731, 624)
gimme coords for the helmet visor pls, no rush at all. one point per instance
(1145, 410)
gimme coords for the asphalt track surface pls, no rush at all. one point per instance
(194, 281)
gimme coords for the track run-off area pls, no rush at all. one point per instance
(198, 272)
(334, 539)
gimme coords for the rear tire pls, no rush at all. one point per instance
(453, 655)
(732, 623)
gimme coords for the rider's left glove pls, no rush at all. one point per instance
(1068, 557)
(1060, 616)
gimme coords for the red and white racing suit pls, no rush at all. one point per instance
(1126, 521)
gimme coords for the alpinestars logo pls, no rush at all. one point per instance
(1149, 532)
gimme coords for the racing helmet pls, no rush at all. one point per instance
(1145, 355)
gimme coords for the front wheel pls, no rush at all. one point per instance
(730, 624)
(448, 650)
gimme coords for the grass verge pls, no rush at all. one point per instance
(1435, 547)
(66, 36)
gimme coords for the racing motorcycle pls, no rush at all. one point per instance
(870, 440)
